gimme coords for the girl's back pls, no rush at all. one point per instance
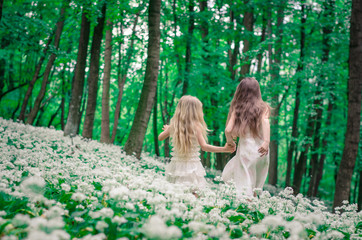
(248, 120)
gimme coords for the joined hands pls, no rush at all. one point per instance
(230, 147)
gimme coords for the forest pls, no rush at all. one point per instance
(114, 70)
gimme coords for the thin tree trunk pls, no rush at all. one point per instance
(188, 47)
(356, 181)
(62, 106)
(138, 130)
(275, 68)
(233, 53)
(122, 78)
(105, 131)
(1, 8)
(74, 113)
(54, 115)
(41, 113)
(301, 164)
(177, 56)
(164, 110)
(205, 56)
(155, 133)
(360, 191)
(262, 39)
(248, 23)
(317, 162)
(293, 141)
(315, 182)
(59, 28)
(352, 137)
(82, 108)
(35, 77)
(94, 75)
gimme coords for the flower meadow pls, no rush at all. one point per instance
(56, 187)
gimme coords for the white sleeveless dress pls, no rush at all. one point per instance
(247, 169)
(187, 168)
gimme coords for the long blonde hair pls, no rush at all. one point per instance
(188, 118)
(248, 107)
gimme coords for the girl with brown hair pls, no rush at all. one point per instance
(248, 120)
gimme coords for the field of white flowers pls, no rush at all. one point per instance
(55, 187)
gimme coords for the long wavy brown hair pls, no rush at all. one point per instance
(188, 118)
(249, 108)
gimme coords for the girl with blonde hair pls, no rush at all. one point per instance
(248, 120)
(188, 132)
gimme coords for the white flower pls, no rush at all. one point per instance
(155, 227)
(129, 206)
(21, 220)
(197, 226)
(79, 219)
(119, 193)
(65, 187)
(101, 225)
(119, 220)
(39, 235)
(78, 197)
(99, 236)
(54, 212)
(258, 229)
(33, 186)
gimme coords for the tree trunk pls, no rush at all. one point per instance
(233, 53)
(317, 162)
(262, 39)
(248, 23)
(105, 131)
(138, 130)
(204, 25)
(275, 69)
(35, 77)
(360, 191)
(177, 56)
(122, 78)
(74, 112)
(155, 133)
(48, 68)
(54, 115)
(301, 164)
(352, 137)
(293, 141)
(1, 8)
(94, 75)
(317, 177)
(188, 47)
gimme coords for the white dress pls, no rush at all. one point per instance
(247, 169)
(187, 168)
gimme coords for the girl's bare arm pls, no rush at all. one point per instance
(264, 148)
(210, 148)
(229, 128)
(165, 134)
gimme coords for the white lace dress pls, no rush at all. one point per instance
(247, 169)
(187, 169)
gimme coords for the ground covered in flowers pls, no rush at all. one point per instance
(55, 187)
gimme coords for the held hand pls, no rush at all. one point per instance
(229, 148)
(264, 149)
(231, 144)
(165, 127)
